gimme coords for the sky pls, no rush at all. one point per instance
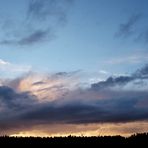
(76, 67)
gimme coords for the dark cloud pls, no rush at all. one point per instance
(110, 82)
(6, 95)
(98, 104)
(122, 80)
(120, 110)
(42, 19)
(141, 73)
(128, 28)
(114, 110)
(66, 74)
(38, 83)
(12, 102)
(61, 74)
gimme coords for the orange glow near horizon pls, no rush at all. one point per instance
(123, 129)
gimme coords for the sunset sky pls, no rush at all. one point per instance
(76, 67)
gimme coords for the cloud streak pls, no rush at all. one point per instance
(132, 28)
(40, 23)
(143, 36)
(137, 58)
(127, 29)
(30, 39)
(16, 69)
(41, 10)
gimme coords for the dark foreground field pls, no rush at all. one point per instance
(138, 139)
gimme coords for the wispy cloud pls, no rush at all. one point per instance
(143, 36)
(6, 68)
(128, 28)
(51, 9)
(137, 58)
(2, 62)
(47, 87)
(133, 28)
(30, 39)
(104, 72)
(41, 21)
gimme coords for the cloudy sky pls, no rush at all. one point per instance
(76, 67)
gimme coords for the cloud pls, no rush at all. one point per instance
(137, 58)
(111, 82)
(104, 72)
(16, 69)
(39, 24)
(47, 87)
(2, 62)
(51, 9)
(112, 110)
(142, 73)
(36, 36)
(30, 39)
(12, 102)
(133, 28)
(128, 28)
(40, 100)
(142, 36)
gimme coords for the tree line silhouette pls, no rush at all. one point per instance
(136, 139)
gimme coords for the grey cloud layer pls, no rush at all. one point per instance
(92, 105)
(109, 110)
(122, 109)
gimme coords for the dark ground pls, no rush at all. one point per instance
(137, 139)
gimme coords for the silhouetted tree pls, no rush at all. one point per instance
(135, 139)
